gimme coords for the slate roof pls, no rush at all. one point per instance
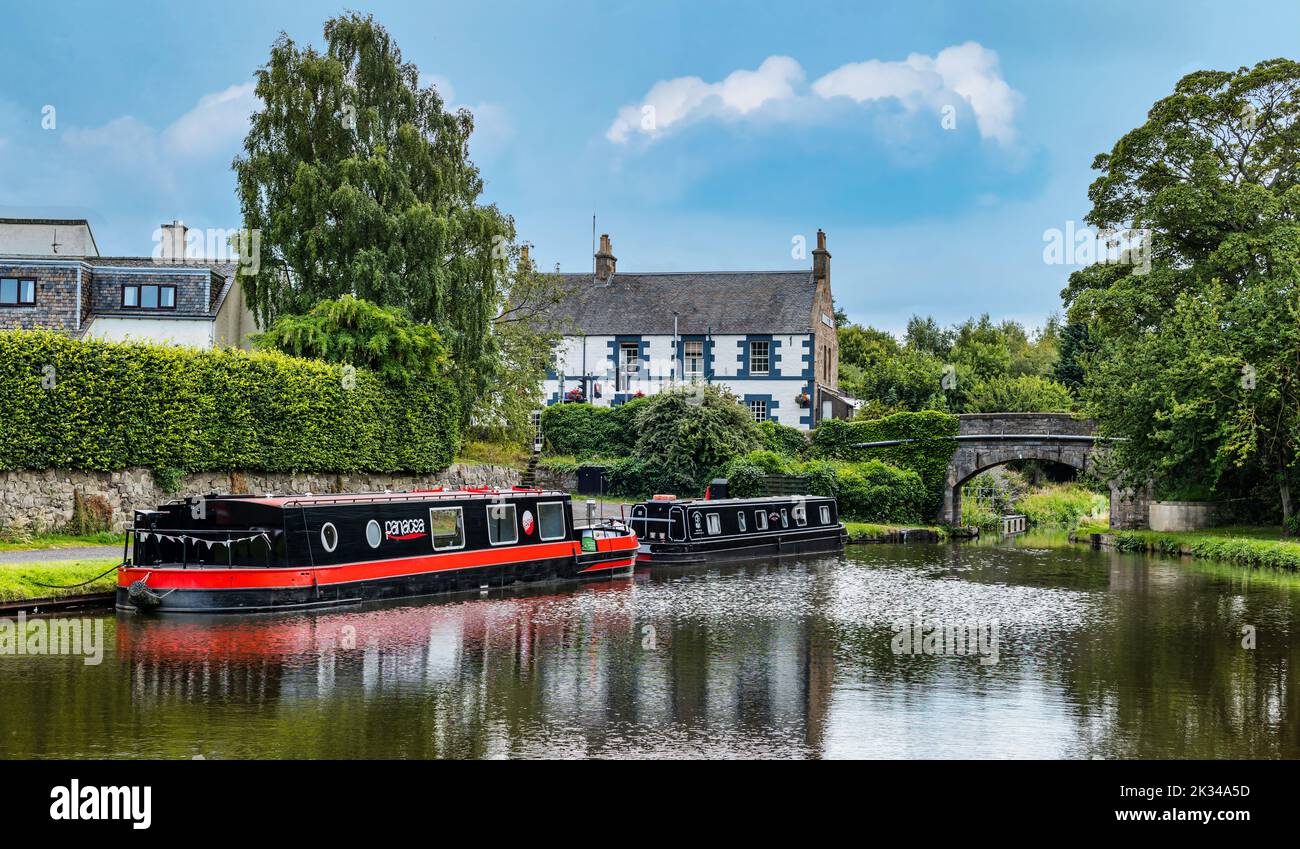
(731, 302)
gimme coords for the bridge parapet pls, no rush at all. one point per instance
(976, 424)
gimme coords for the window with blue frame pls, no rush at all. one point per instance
(759, 357)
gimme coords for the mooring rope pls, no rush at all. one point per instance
(75, 586)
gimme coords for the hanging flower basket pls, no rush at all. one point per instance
(574, 396)
(802, 399)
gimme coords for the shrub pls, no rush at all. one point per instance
(575, 429)
(89, 515)
(694, 431)
(114, 406)
(1062, 505)
(927, 457)
(876, 491)
(1027, 393)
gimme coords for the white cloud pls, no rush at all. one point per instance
(672, 101)
(969, 72)
(214, 123)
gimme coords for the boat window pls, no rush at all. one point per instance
(740, 520)
(374, 535)
(825, 514)
(800, 515)
(447, 527)
(785, 518)
(639, 520)
(501, 524)
(760, 520)
(550, 520)
(329, 536)
(715, 523)
(677, 524)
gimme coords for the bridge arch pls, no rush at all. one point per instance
(986, 440)
(967, 464)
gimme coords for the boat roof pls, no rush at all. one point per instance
(758, 499)
(307, 499)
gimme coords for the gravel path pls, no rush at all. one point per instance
(81, 552)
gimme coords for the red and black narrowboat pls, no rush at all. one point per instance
(244, 553)
(681, 531)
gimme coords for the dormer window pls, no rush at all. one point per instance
(17, 293)
(148, 297)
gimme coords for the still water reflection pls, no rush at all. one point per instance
(1100, 655)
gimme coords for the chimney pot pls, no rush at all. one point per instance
(173, 241)
(606, 262)
(821, 258)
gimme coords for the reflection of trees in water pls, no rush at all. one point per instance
(1166, 675)
(1138, 659)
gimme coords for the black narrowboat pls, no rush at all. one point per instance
(680, 531)
(245, 553)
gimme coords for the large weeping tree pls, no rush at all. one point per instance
(1194, 358)
(360, 183)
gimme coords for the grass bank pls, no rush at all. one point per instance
(865, 532)
(22, 542)
(1251, 546)
(21, 581)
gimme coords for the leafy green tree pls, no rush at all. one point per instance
(360, 183)
(354, 332)
(1026, 393)
(525, 335)
(1195, 354)
(925, 334)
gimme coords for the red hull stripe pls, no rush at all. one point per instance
(258, 577)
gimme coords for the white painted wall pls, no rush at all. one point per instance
(32, 239)
(157, 331)
(727, 352)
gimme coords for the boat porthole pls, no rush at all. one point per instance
(329, 536)
(374, 535)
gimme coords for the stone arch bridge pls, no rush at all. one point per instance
(986, 440)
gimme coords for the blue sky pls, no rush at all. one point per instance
(935, 142)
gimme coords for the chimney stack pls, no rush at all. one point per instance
(173, 241)
(821, 259)
(605, 260)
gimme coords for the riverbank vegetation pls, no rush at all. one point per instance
(16, 538)
(678, 440)
(1256, 547)
(22, 581)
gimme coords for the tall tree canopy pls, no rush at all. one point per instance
(1195, 360)
(360, 183)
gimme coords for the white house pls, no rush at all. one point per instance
(767, 335)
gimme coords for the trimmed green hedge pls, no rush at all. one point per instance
(927, 457)
(583, 430)
(113, 406)
(783, 439)
(868, 491)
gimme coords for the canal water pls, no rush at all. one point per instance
(1071, 653)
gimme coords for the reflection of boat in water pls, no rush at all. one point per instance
(673, 530)
(242, 553)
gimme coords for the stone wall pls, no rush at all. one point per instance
(42, 499)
